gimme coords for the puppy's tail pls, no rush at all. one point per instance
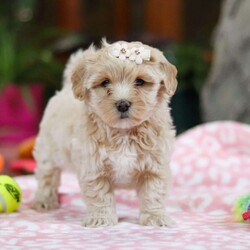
(75, 59)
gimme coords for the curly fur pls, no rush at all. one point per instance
(82, 130)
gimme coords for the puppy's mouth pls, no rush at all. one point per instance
(125, 120)
(124, 115)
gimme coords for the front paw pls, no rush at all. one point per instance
(97, 220)
(45, 203)
(156, 220)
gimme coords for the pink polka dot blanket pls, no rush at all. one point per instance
(211, 169)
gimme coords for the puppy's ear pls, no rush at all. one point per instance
(77, 79)
(79, 73)
(169, 73)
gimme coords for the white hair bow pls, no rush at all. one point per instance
(123, 52)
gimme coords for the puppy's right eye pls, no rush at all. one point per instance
(105, 83)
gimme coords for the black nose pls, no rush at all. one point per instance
(123, 105)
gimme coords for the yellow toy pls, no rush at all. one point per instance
(10, 194)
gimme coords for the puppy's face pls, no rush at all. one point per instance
(122, 92)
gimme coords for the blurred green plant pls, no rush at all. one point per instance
(26, 63)
(26, 51)
(191, 63)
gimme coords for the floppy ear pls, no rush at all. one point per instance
(79, 65)
(77, 79)
(169, 73)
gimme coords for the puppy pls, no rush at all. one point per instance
(111, 124)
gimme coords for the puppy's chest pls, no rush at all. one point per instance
(122, 157)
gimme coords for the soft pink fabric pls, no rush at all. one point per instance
(20, 112)
(210, 170)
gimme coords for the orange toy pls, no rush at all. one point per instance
(25, 161)
(25, 148)
(1, 163)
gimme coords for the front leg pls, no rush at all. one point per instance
(152, 191)
(99, 198)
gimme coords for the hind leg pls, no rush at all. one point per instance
(46, 196)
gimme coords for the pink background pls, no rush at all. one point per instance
(19, 119)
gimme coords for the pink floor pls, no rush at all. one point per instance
(210, 171)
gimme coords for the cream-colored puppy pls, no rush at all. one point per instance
(111, 124)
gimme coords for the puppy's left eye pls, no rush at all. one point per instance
(139, 82)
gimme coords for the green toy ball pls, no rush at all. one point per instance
(10, 194)
(241, 208)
